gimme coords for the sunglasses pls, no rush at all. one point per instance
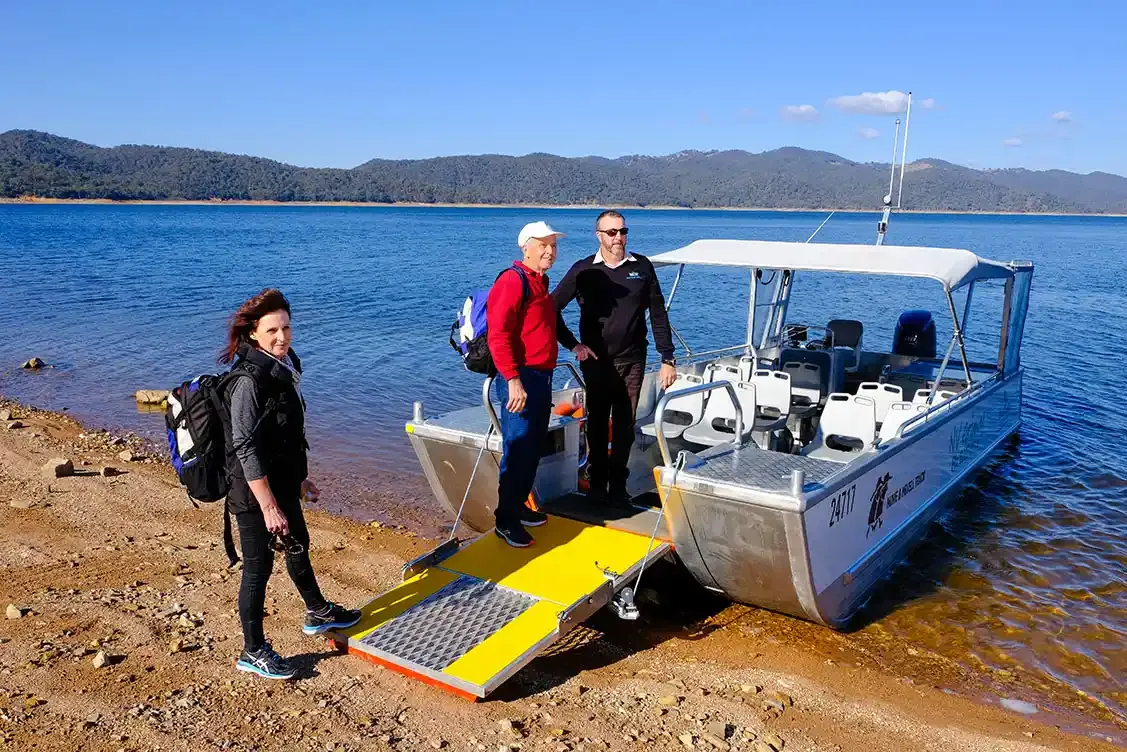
(285, 544)
(615, 231)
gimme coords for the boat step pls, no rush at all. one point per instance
(474, 619)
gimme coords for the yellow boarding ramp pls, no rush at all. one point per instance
(472, 619)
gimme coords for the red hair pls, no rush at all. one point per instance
(245, 320)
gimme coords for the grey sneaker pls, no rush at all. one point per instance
(266, 663)
(333, 617)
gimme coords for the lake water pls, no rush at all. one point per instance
(1029, 569)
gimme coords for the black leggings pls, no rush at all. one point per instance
(258, 563)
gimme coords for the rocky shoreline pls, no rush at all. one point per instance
(120, 633)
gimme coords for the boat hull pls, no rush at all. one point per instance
(819, 553)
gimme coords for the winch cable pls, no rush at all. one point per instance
(629, 597)
(466, 495)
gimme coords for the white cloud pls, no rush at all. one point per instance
(869, 133)
(873, 103)
(1062, 116)
(803, 112)
(1012, 141)
(879, 102)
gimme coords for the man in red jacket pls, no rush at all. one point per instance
(522, 322)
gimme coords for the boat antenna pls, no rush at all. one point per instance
(882, 226)
(904, 154)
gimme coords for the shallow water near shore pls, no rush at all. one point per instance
(1027, 574)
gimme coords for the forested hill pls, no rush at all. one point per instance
(43, 165)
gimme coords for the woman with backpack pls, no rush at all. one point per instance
(267, 465)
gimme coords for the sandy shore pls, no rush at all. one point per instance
(587, 207)
(121, 563)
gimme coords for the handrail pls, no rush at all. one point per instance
(487, 387)
(945, 404)
(659, 413)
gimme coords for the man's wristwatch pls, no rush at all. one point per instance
(668, 361)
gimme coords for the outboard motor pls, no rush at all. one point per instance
(915, 335)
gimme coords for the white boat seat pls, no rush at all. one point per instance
(922, 396)
(720, 372)
(898, 414)
(681, 412)
(883, 394)
(805, 384)
(718, 426)
(772, 398)
(848, 426)
(750, 364)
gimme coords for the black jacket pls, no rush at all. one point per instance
(279, 438)
(612, 308)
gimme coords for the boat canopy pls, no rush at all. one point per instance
(952, 267)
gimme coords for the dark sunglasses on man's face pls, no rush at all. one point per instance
(615, 230)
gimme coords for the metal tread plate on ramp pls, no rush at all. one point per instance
(470, 623)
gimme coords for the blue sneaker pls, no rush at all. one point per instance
(332, 617)
(266, 663)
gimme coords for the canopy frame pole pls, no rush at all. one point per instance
(782, 306)
(749, 346)
(673, 290)
(956, 337)
(958, 334)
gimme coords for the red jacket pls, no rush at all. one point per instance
(521, 335)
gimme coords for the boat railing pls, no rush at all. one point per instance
(487, 388)
(659, 413)
(939, 407)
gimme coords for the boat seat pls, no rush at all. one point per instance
(941, 396)
(848, 333)
(681, 412)
(848, 427)
(898, 414)
(749, 364)
(772, 397)
(806, 384)
(883, 394)
(718, 426)
(722, 372)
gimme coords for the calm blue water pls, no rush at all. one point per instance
(1030, 569)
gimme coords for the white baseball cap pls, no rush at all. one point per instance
(538, 230)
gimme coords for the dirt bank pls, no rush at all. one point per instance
(122, 565)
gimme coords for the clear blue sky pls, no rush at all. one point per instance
(335, 84)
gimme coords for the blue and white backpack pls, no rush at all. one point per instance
(468, 333)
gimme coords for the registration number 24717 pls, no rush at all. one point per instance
(841, 504)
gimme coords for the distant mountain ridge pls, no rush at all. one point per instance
(39, 164)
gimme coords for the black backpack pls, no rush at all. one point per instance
(468, 334)
(198, 421)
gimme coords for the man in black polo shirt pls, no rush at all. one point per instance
(615, 289)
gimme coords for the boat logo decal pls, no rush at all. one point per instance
(905, 489)
(876, 503)
(841, 504)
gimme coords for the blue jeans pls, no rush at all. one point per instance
(522, 439)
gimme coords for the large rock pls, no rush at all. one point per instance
(5, 414)
(151, 396)
(14, 424)
(33, 365)
(57, 467)
(13, 611)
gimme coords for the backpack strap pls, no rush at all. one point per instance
(525, 285)
(228, 538)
